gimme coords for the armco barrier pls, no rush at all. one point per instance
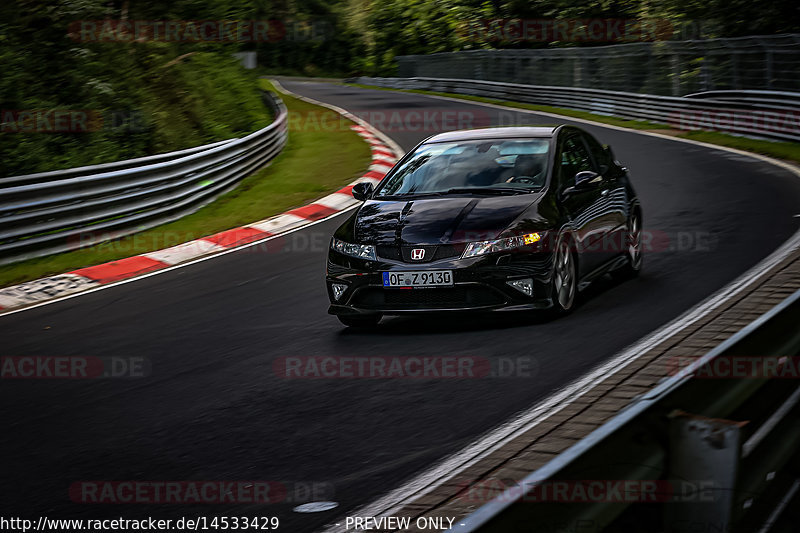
(726, 436)
(658, 66)
(756, 99)
(63, 210)
(738, 116)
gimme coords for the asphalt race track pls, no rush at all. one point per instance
(212, 407)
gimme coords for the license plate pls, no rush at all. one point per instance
(419, 278)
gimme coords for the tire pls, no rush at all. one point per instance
(633, 252)
(565, 278)
(360, 321)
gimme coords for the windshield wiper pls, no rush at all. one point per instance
(410, 195)
(493, 191)
(487, 190)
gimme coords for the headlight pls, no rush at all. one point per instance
(362, 251)
(500, 245)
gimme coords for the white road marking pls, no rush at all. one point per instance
(184, 252)
(374, 181)
(279, 223)
(171, 268)
(379, 167)
(315, 507)
(44, 288)
(337, 200)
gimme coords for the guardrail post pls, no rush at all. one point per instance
(705, 75)
(577, 77)
(702, 467)
(768, 70)
(676, 74)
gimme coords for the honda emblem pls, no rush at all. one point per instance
(417, 254)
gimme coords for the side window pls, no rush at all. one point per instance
(598, 152)
(574, 158)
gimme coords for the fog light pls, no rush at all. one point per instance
(338, 289)
(524, 286)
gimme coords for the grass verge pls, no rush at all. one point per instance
(315, 161)
(781, 150)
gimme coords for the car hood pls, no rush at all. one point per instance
(441, 220)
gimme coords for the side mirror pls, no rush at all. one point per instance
(584, 179)
(362, 190)
(611, 157)
(604, 167)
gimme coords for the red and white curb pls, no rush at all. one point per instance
(384, 154)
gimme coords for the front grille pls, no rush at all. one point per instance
(389, 252)
(449, 250)
(432, 252)
(438, 298)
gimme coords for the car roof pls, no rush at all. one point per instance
(494, 133)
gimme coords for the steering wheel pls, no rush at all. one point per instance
(522, 179)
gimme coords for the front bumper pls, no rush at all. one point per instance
(479, 284)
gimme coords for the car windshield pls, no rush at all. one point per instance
(483, 166)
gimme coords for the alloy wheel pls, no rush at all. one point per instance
(565, 280)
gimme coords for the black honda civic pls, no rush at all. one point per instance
(495, 219)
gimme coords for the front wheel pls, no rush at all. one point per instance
(359, 321)
(565, 279)
(633, 251)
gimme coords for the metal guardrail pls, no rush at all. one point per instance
(734, 116)
(761, 99)
(724, 437)
(673, 68)
(52, 212)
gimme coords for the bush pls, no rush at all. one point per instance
(141, 98)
